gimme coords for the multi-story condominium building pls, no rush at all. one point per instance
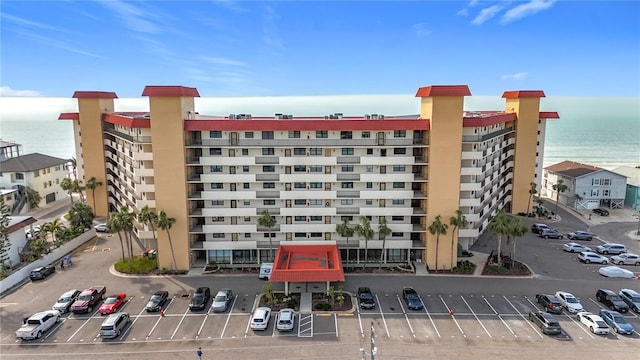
(216, 175)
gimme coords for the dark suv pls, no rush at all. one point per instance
(601, 211)
(550, 234)
(538, 228)
(612, 300)
(550, 303)
(41, 272)
(365, 298)
(200, 298)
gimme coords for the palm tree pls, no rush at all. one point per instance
(458, 221)
(500, 225)
(74, 165)
(81, 214)
(54, 228)
(149, 217)
(126, 219)
(438, 228)
(164, 222)
(268, 221)
(517, 230)
(383, 232)
(364, 230)
(532, 192)
(539, 201)
(92, 184)
(345, 230)
(67, 185)
(79, 188)
(114, 226)
(560, 187)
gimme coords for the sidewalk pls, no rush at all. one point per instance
(44, 212)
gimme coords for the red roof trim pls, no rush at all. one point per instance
(273, 124)
(488, 120)
(69, 116)
(307, 263)
(142, 123)
(549, 115)
(170, 91)
(444, 90)
(517, 94)
(94, 95)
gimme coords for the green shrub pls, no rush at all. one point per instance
(139, 265)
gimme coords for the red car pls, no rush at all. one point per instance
(112, 304)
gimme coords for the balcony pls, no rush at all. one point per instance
(267, 177)
(345, 177)
(348, 194)
(267, 194)
(347, 211)
(267, 160)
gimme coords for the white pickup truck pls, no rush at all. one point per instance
(37, 324)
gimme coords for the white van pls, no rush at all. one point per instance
(265, 271)
(113, 325)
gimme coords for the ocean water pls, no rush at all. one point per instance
(602, 131)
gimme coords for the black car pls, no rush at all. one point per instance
(365, 298)
(601, 211)
(549, 303)
(41, 272)
(547, 323)
(157, 301)
(411, 298)
(200, 298)
(580, 235)
(550, 234)
(612, 300)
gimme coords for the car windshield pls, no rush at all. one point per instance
(84, 297)
(155, 298)
(64, 299)
(635, 298)
(554, 324)
(601, 324)
(412, 296)
(257, 320)
(220, 298)
(614, 298)
(620, 320)
(198, 296)
(111, 300)
(366, 296)
(572, 300)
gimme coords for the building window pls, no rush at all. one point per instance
(299, 202)
(397, 218)
(299, 151)
(300, 218)
(316, 235)
(369, 185)
(299, 168)
(267, 135)
(399, 133)
(299, 185)
(368, 202)
(322, 134)
(348, 218)
(215, 134)
(300, 235)
(399, 168)
(347, 168)
(268, 168)
(215, 151)
(245, 168)
(316, 168)
(248, 135)
(57, 167)
(397, 201)
(346, 202)
(346, 135)
(347, 185)
(215, 168)
(245, 185)
(20, 176)
(268, 202)
(266, 235)
(369, 168)
(398, 185)
(245, 152)
(216, 185)
(366, 134)
(294, 134)
(246, 202)
(36, 173)
(247, 235)
(268, 151)
(315, 151)
(399, 151)
(217, 202)
(217, 235)
(369, 151)
(397, 234)
(268, 185)
(220, 256)
(606, 192)
(316, 185)
(347, 151)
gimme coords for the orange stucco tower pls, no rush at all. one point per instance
(443, 107)
(90, 157)
(526, 104)
(169, 106)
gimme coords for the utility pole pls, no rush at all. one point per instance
(374, 349)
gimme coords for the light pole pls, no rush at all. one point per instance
(638, 232)
(374, 349)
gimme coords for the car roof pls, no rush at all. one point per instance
(630, 291)
(162, 292)
(547, 315)
(607, 291)
(69, 292)
(202, 289)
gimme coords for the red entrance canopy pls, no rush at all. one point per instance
(307, 263)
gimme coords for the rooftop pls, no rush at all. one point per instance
(307, 263)
(572, 168)
(31, 162)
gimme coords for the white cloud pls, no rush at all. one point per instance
(516, 76)
(25, 22)
(224, 61)
(270, 36)
(486, 14)
(9, 92)
(420, 30)
(531, 8)
(134, 17)
(465, 10)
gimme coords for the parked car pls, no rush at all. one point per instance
(37, 324)
(594, 322)
(617, 322)
(222, 300)
(575, 247)
(611, 300)
(101, 228)
(632, 298)
(547, 323)
(41, 272)
(260, 318)
(570, 302)
(615, 272)
(286, 320)
(601, 211)
(580, 235)
(157, 300)
(88, 299)
(63, 304)
(200, 298)
(588, 257)
(550, 234)
(626, 259)
(365, 298)
(113, 325)
(112, 303)
(611, 249)
(549, 303)
(33, 232)
(538, 228)
(411, 298)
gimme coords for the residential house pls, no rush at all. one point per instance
(632, 197)
(17, 237)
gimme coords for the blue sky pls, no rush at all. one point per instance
(263, 48)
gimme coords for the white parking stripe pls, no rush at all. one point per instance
(201, 326)
(335, 317)
(83, 325)
(131, 325)
(383, 320)
(226, 323)
(179, 323)
(406, 316)
(523, 317)
(452, 316)
(360, 321)
(476, 316)
(499, 316)
(255, 303)
(429, 315)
